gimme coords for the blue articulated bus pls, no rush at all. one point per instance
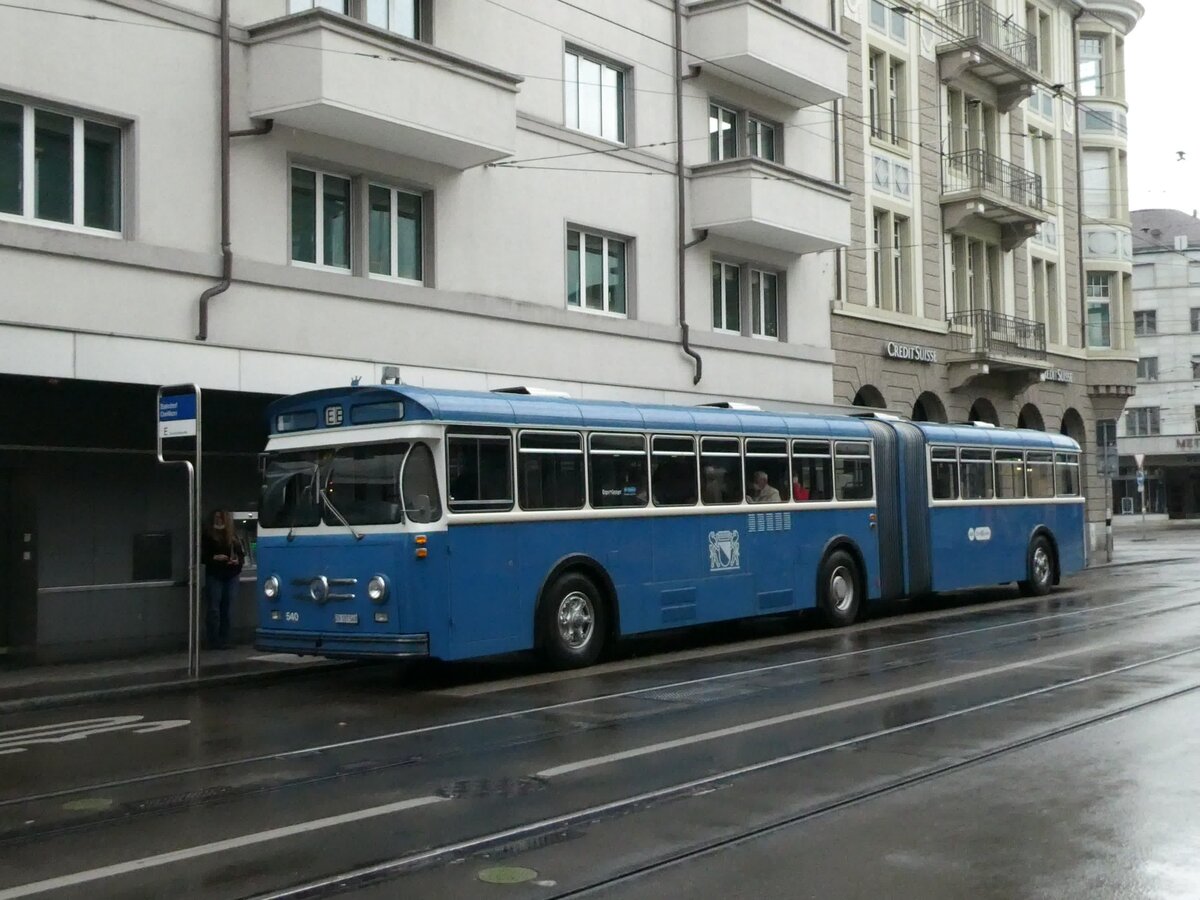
(398, 521)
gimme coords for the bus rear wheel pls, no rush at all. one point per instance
(1039, 567)
(839, 589)
(574, 622)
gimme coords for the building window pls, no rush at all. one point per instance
(1044, 162)
(337, 6)
(976, 274)
(1091, 65)
(1041, 26)
(1145, 322)
(401, 16)
(974, 125)
(395, 233)
(1097, 178)
(73, 174)
(1147, 368)
(1045, 298)
(1196, 368)
(1196, 412)
(885, 98)
(1099, 309)
(596, 273)
(1195, 319)
(595, 96)
(1142, 421)
(320, 219)
(891, 255)
(726, 297)
(890, 19)
(746, 300)
(734, 133)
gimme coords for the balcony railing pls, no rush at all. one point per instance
(975, 20)
(985, 333)
(975, 170)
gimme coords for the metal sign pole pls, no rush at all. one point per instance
(181, 418)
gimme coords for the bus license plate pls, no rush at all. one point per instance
(345, 618)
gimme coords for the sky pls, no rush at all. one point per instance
(1160, 58)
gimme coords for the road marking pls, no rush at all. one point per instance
(19, 740)
(733, 730)
(247, 840)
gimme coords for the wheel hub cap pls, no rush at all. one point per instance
(575, 620)
(841, 589)
(1041, 565)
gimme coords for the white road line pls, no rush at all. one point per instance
(734, 730)
(247, 840)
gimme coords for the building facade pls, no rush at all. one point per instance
(476, 194)
(1162, 421)
(985, 145)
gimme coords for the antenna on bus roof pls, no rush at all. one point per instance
(530, 391)
(732, 404)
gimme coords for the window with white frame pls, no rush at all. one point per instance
(395, 233)
(321, 215)
(890, 18)
(60, 168)
(1091, 65)
(1044, 303)
(892, 253)
(885, 97)
(1040, 151)
(401, 16)
(1099, 309)
(1147, 368)
(747, 299)
(1142, 421)
(338, 6)
(594, 96)
(1040, 24)
(976, 274)
(734, 133)
(596, 272)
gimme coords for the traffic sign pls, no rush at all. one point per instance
(177, 415)
(1140, 459)
(1141, 480)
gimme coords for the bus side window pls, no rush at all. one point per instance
(766, 471)
(854, 480)
(975, 469)
(943, 471)
(1010, 475)
(479, 471)
(720, 470)
(673, 473)
(617, 467)
(550, 470)
(1039, 468)
(1066, 467)
(812, 472)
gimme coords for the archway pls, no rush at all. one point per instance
(869, 396)
(1072, 426)
(928, 408)
(1031, 417)
(983, 411)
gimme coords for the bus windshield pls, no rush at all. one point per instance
(368, 484)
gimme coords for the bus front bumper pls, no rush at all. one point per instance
(341, 646)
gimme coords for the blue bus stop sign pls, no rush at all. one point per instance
(177, 415)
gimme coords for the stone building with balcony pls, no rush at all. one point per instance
(467, 194)
(987, 273)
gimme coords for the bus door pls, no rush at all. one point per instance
(914, 508)
(887, 501)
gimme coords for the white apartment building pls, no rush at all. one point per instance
(479, 193)
(974, 235)
(1162, 421)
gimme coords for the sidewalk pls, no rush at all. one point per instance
(34, 687)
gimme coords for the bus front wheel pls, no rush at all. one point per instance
(1039, 567)
(574, 622)
(839, 589)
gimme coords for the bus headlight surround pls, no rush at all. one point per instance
(377, 588)
(271, 588)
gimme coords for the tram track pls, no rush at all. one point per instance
(194, 799)
(500, 843)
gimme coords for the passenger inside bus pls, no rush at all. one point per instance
(799, 491)
(761, 490)
(714, 485)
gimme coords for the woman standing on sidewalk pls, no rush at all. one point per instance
(222, 554)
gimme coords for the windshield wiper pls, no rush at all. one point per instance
(333, 509)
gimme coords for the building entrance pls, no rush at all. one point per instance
(18, 564)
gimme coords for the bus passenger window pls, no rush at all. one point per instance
(550, 470)
(1066, 467)
(812, 472)
(943, 473)
(617, 464)
(673, 475)
(766, 471)
(854, 481)
(1010, 475)
(479, 471)
(422, 501)
(1039, 468)
(720, 470)
(975, 469)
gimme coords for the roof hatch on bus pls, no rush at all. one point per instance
(732, 404)
(531, 391)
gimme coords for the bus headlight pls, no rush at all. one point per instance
(271, 587)
(377, 588)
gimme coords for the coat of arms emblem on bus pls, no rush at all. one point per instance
(724, 550)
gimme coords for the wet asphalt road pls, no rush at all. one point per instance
(980, 745)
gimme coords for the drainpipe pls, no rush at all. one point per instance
(1079, 174)
(265, 128)
(680, 189)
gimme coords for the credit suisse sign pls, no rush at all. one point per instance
(911, 352)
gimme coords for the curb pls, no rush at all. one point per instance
(1137, 562)
(175, 686)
